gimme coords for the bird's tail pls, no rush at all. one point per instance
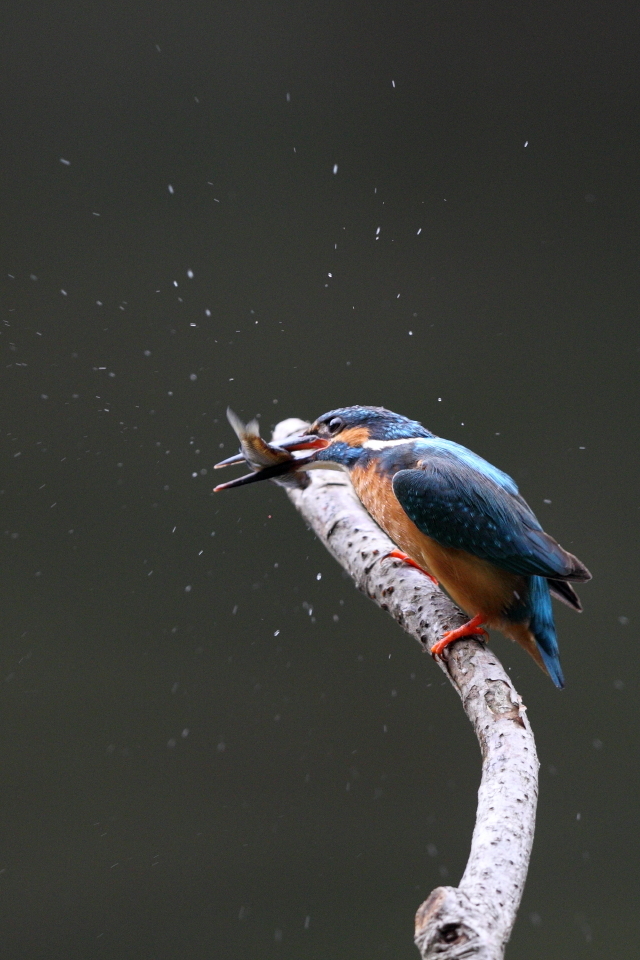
(537, 635)
(562, 590)
(543, 628)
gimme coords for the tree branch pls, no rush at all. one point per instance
(475, 919)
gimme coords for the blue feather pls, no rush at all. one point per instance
(465, 509)
(543, 628)
(469, 458)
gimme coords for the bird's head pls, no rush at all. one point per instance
(356, 431)
(337, 440)
(358, 425)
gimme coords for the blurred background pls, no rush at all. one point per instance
(212, 744)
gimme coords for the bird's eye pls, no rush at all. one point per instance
(335, 425)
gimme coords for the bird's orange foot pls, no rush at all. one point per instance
(399, 555)
(471, 629)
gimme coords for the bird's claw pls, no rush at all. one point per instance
(399, 555)
(471, 629)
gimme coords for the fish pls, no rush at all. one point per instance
(267, 460)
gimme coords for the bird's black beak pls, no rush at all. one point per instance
(288, 464)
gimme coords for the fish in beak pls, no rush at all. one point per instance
(267, 461)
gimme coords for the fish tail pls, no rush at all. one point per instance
(242, 430)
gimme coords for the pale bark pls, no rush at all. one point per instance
(475, 919)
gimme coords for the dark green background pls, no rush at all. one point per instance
(177, 780)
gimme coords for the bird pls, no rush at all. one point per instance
(454, 516)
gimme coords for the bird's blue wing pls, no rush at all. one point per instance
(438, 446)
(459, 506)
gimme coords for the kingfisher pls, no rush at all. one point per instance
(451, 514)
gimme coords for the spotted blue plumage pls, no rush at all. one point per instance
(462, 501)
(461, 506)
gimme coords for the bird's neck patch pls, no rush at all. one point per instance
(383, 444)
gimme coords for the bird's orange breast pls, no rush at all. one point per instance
(473, 583)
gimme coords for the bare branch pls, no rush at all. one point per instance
(475, 919)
